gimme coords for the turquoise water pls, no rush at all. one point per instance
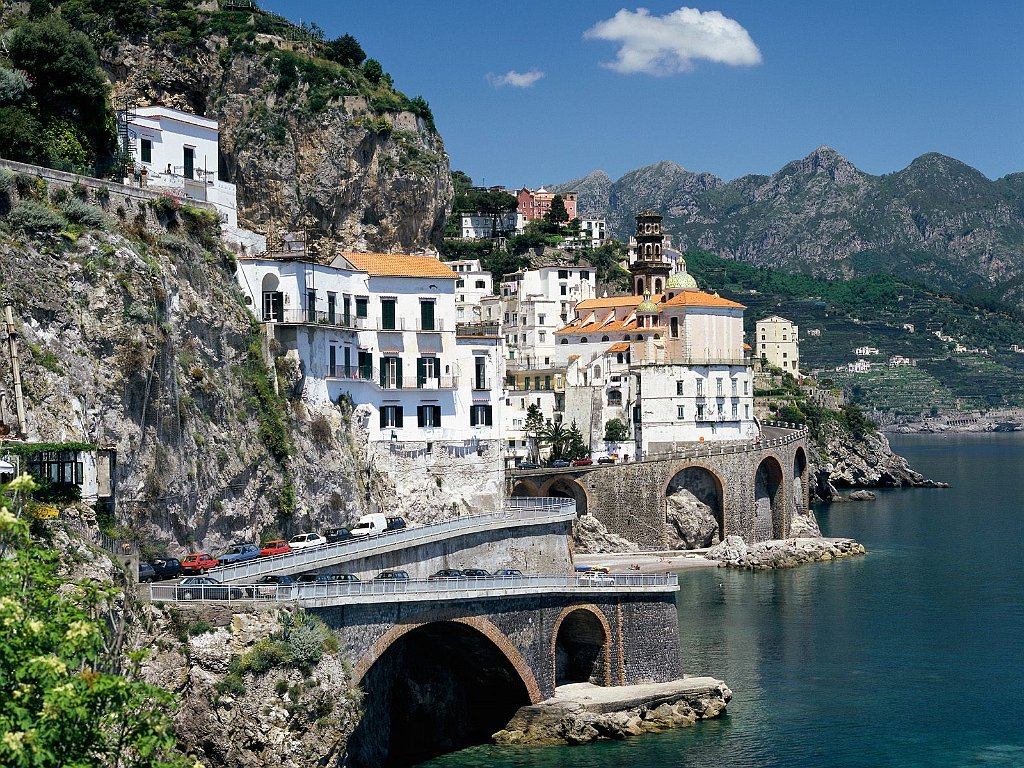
(911, 656)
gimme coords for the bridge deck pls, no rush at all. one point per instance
(518, 512)
(380, 591)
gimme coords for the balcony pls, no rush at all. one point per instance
(481, 383)
(396, 324)
(316, 317)
(430, 326)
(389, 380)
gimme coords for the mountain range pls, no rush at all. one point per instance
(937, 221)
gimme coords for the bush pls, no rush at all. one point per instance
(79, 212)
(615, 431)
(32, 217)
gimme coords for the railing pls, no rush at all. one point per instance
(517, 511)
(436, 325)
(483, 329)
(317, 317)
(481, 383)
(397, 324)
(114, 546)
(390, 381)
(449, 589)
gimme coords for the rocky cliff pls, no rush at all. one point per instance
(137, 338)
(938, 220)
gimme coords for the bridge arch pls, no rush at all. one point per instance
(769, 500)
(705, 484)
(565, 487)
(800, 487)
(581, 648)
(524, 488)
(435, 684)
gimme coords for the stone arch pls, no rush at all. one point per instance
(563, 487)
(565, 341)
(579, 654)
(525, 489)
(769, 500)
(800, 488)
(640, 286)
(704, 482)
(436, 683)
(583, 340)
(657, 285)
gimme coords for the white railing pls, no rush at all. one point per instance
(517, 511)
(426, 589)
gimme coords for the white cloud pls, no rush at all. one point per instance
(515, 79)
(667, 45)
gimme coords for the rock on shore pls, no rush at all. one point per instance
(581, 713)
(781, 553)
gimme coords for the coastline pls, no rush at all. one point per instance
(649, 562)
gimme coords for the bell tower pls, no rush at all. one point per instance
(650, 270)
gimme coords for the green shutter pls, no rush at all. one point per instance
(421, 420)
(399, 416)
(384, 372)
(427, 315)
(383, 417)
(387, 314)
(421, 373)
(488, 417)
(437, 415)
(398, 372)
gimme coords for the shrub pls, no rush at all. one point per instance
(31, 216)
(7, 180)
(320, 431)
(79, 212)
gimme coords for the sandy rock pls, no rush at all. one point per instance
(784, 553)
(690, 523)
(862, 495)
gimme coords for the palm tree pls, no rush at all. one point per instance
(555, 436)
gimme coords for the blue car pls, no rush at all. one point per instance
(559, 463)
(238, 553)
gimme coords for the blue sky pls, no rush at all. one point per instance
(732, 87)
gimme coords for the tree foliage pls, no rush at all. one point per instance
(532, 428)
(557, 214)
(615, 431)
(576, 447)
(69, 694)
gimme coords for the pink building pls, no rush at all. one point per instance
(534, 204)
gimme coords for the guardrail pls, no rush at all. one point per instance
(517, 512)
(414, 589)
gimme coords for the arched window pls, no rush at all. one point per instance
(619, 358)
(657, 250)
(657, 335)
(614, 396)
(640, 287)
(583, 340)
(657, 285)
(626, 337)
(605, 338)
(639, 337)
(565, 341)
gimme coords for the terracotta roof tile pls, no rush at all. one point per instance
(619, 346)
(700, 299)
(399, 265)
(613, 301)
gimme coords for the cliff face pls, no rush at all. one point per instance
(347, 166)
(938, 220)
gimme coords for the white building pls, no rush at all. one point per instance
(381, 329)
(593, 230)
(865, 351)
(896, 361)
(481, 226)
(179, 151)
(472, 285)
(777, 343)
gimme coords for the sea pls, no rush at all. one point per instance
(912, 655)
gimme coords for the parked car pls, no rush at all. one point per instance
(238, 553)
(205, 588)
(305, 540)
(146, 572)
(559, 463)
(476, 573)
(333, 578)
(198, 562)
(446, 574)
(583, 462)
(275, 547)
(595, 578)
(334, 535)
(606, 460)
(306, 578)
(528, 465)
(373, 523)
(508, 573)
(396, 523)
(271, 586)
(167, 568)
(392, 576)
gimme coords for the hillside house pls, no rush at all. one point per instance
(777, 343)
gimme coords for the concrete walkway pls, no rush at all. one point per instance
(649, 562)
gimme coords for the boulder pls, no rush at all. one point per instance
(734, 548)
(591, 535)
(690, 523)
(862, 495)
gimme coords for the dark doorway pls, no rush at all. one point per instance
(580, 649)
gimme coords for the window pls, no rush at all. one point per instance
(147, 150)
(481, 284)
(524, 321)
(536, 382)
(542, 336)
(332, 359)
(718, 387)
(680, 411)
(391, 416)
(783, 355)
(547, 382)
(563, 274)
(361, 306)
(428, 416)
(565, 341)
(605, 338)
(522, 338)
(700, 387)
(427, 315)
(311, 306)
(332, 307)
(480, 373)
(584, 275)
(190, 162)
(480, 416)
(391, 372)
(428, 369)
(700, 411)
(59, 467)
(746, 411)
(735, 410)
(564, 291)
(614, 397)
(679, 387)
(733, 387)
(365, 365)
(506, 317)
(387, 314)
(673, 328)
(745, 385)
(540, 319)
(460, 284)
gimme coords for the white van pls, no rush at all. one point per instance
(372, 523)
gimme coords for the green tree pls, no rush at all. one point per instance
(69, 694)
(615, 431)
(346, 50)
(555, 437)
(533, 426)
(68, 87)
(557, 214)
(373, 70)
(576, 447)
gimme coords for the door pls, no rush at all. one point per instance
(332, 362)
(190, 162)
(346, 312)
(347, 357)
(427, 315)
(273, 306)
(332, 307)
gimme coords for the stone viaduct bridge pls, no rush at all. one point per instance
(753, 488)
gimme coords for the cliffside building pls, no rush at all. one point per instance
(778, 343)
(473, 283)
(534, 204)
(179, 152)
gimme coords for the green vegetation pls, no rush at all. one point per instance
(615, 431)
(68, 695)
(270, 408)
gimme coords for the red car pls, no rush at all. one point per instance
(275, 547)
(198, 562)
(583, 462)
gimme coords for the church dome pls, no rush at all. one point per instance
(647, 307)
(681, 281)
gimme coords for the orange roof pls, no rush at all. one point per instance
(398, 265)
(614, 301)
(700, 299)
(746, 346)
(619, 346)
